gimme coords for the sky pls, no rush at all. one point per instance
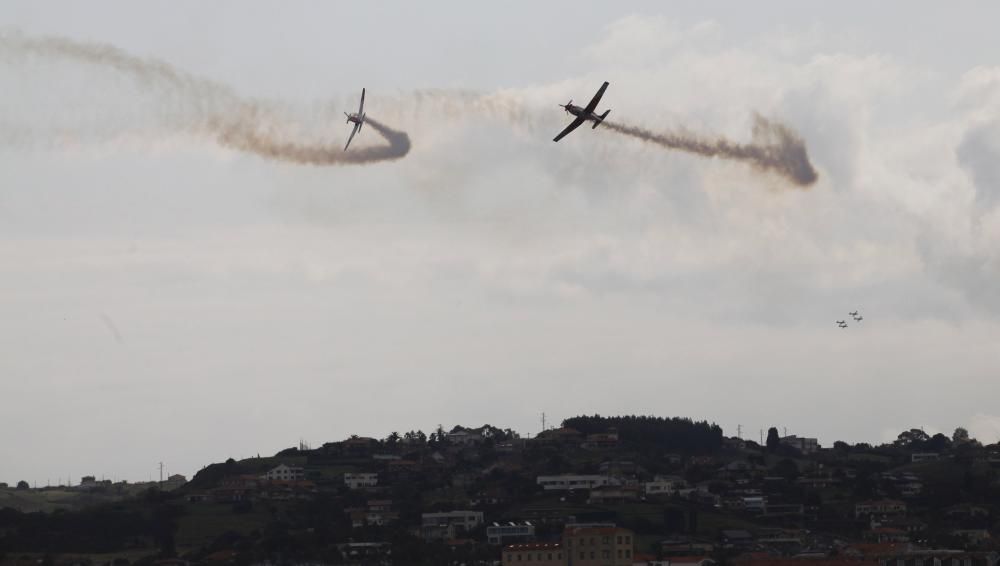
(166, 298)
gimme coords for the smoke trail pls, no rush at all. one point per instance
(245, 137)
(194, 105)
(775, 148)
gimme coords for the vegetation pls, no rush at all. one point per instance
(213, 519)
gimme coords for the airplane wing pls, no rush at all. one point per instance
(572, 126)
(361, 109)
(354, 131)
(597, 98)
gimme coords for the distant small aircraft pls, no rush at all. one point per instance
(358, 119)
(842, 325)
(855, 313)
(840, 322)
(584, 114)
(859, 318)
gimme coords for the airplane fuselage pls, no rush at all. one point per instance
(354, 118)
(581, 111)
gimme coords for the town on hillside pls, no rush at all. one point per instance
(596, 491)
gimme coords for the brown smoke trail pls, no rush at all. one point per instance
(195, 105)
(775, 148)
(245, 137)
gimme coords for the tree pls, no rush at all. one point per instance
(937, 443)
(960, 436)
(773, 441)
(23, 485)
(841, 446)
(913, 438)
(393, 439)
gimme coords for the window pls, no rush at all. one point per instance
(628, 553)
(593, 555)
(518, 557)
(619, 553)
(593, 541)
(550, 556)
(619, 539)
(605, 540)
(583, 555)
(559, 556)
(605, 554)
(628, 539)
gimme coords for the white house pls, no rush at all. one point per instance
(465, 519)
(567, 482)
(664, 485)
(803, 445)
(360, 480)
(881, 507)
(449, 524)
(284, 472)
(465, 437)
(504, 534)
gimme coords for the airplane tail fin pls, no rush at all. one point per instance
(602, 117)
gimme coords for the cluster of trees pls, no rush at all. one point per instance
(91, 530)
(672, 434)
(440, 437)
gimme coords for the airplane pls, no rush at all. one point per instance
(584, 114)
(859, 318)
(839, 322)
(855, 313)
(842, 325)
(358, 119)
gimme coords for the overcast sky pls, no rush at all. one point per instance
(167, 299)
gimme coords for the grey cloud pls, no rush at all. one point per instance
(979, 154)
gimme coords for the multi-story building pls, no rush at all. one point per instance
(534, 554)
(598, 546)
(664, 485)
(881, 507)
(284, 472)
(803, 445)
(500, 534)
(465, 437)
(567, 482)
(360, 480)
(448, 525)
(173, 482)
